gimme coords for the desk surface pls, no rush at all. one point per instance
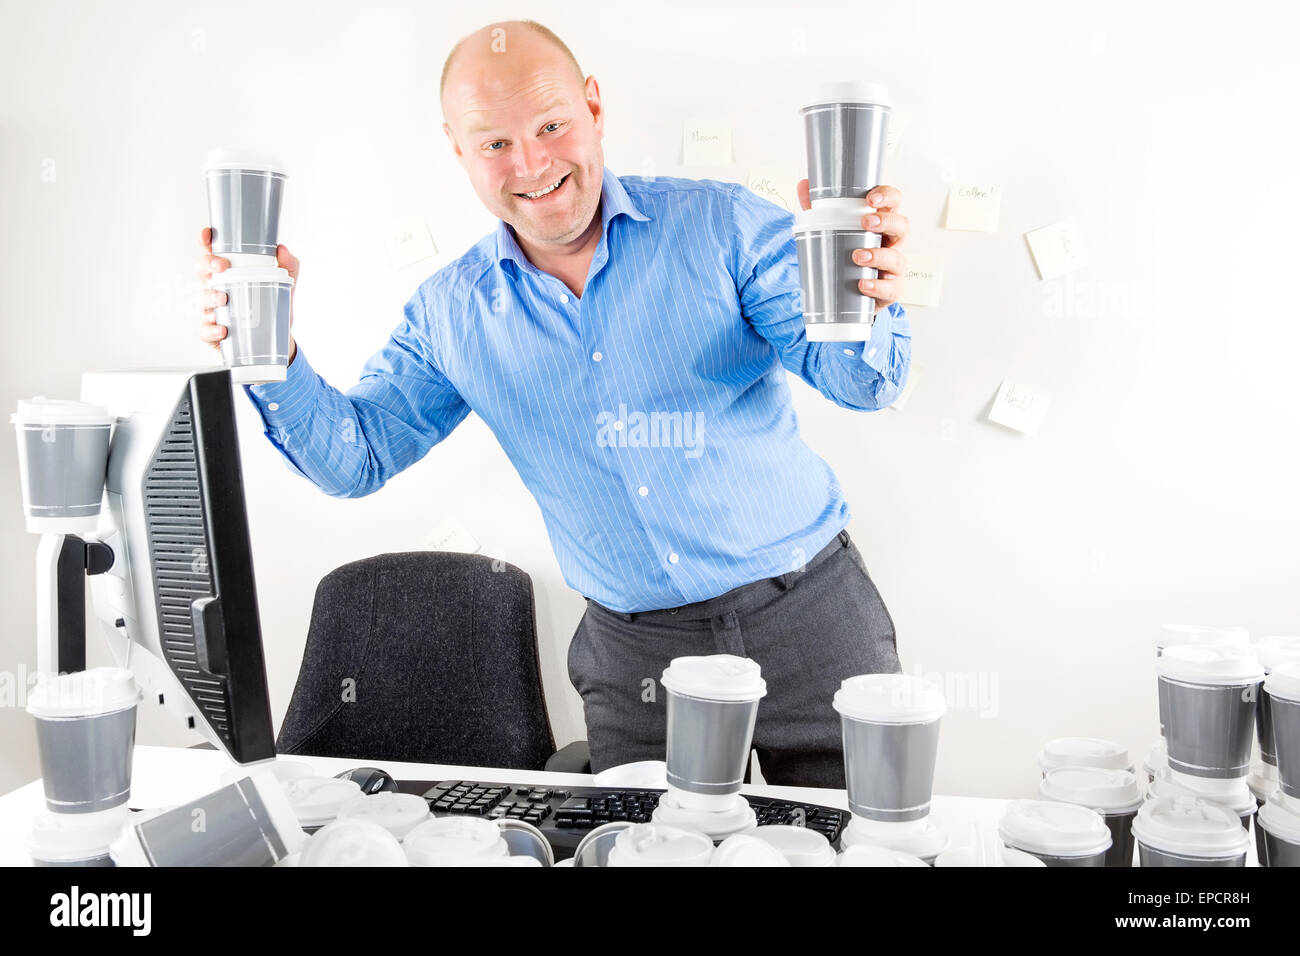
(165, 776)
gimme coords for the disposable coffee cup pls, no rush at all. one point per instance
(1186, 831)
(245, 193)
(876, 856)
(1283, 688)
(85, 735)
(257, 316)
(715, 824)
(62, 460)
(801, 846)
(890, 728)
(1262, 782)
(1112, 793)
(1272, 652)
(845, 125)
(1083, 752)
(245, 823)
(281, 769)
(925, 839)
(525, 840)
(1279, 822)
(1059, 834)
(1173, 635)
(834, 308)
(593, 849)
(655, 844)
(1157, 758)
(712, 706)
(353, 842)
(75, 839)
(745, 850)
(316, 801)
(398, 813)
(1210, 693)
(455, 841)
(1232, 795)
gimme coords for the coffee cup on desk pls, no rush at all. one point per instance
(656, 844)
(352, 842)
(1272, 652)
(925, 838)
(712, 705)
(1175, 635)
(1112, 793)
(1232, 794)
(1278, 821)
(1059, 834)
(75, 839)
(801, 846)
(1283, 689)
(85, 735)
(1186, 831)
(1210, 693)
(455, 841)
(398, 813)
(1083, 752)
(317, 800)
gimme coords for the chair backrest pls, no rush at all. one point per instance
(427, 656)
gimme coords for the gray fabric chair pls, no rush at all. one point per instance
(428, 657)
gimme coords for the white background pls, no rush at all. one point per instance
(1162, 486)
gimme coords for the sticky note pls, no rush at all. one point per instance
(894, 131)
(906, 393)
(1018, 407)
(1057, 249)
(451, 535)
(408, 242)
(706, 141)
(775, 185)
(973, 208)
(923, 281)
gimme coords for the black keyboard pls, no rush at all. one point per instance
(565, 814)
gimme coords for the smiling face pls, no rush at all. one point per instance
(520, 122)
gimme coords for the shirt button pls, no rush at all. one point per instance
(849, 352)
(274, 406)
(618, 426)
(673, 557)
(643, 491)
(596, 356)
(564, 298)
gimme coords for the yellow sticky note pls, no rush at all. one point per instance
(706, 141)
(923, 281)
(409, 242)
(1057, 249)
(775, 185)
(973, 208)
(1018, 407)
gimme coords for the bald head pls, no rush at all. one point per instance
(482, 51)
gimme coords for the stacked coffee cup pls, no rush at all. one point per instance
(1279, 817)
(845, 124)
(890, 726)
(245, 193)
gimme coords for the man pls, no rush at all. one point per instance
(626, 340)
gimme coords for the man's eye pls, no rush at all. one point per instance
(490, 145)
(551, 124)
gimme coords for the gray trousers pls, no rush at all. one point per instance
(807, 629)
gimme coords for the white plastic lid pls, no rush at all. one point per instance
(844, 218)
(1108, 791)
(1284, 681)
(1280, 816)
(850, 91)
(715, 677)
(741, 849)
(453, 841)
(1083, 752)
(1225, 664)
(1277, 649)
(317, 800)
(1053, 829)
(59, 411)
(1231, 793)
(921, 838)
(1157, 756)
(249, 274)
(1170, 635)
(352, 842)
(242, 159)
(398, 813)
(656, 844)
(800, 845)
(99, 690)
(863, 855)
(1262, 780)
(279, 768)
(64, 837)
(965, 856)
(889, 698)
(715, 824)
(643, 774)
(1191, 827)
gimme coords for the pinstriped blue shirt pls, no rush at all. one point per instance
(651, 418)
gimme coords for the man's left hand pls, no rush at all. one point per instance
(888, 260)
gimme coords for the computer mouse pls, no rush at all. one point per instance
(369, 779)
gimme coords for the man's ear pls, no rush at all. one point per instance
(592, 90)
(455, 147)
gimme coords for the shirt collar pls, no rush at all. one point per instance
(614, 201)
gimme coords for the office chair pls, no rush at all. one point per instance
(427, 657)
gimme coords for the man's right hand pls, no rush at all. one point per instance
(208, 264)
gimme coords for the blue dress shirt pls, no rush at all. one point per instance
(651, 418)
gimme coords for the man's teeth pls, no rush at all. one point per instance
(548, 189)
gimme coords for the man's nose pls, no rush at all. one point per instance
(532, 161)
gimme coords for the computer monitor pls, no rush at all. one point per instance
(179, 601)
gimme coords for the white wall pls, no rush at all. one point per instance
(1162, 485)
